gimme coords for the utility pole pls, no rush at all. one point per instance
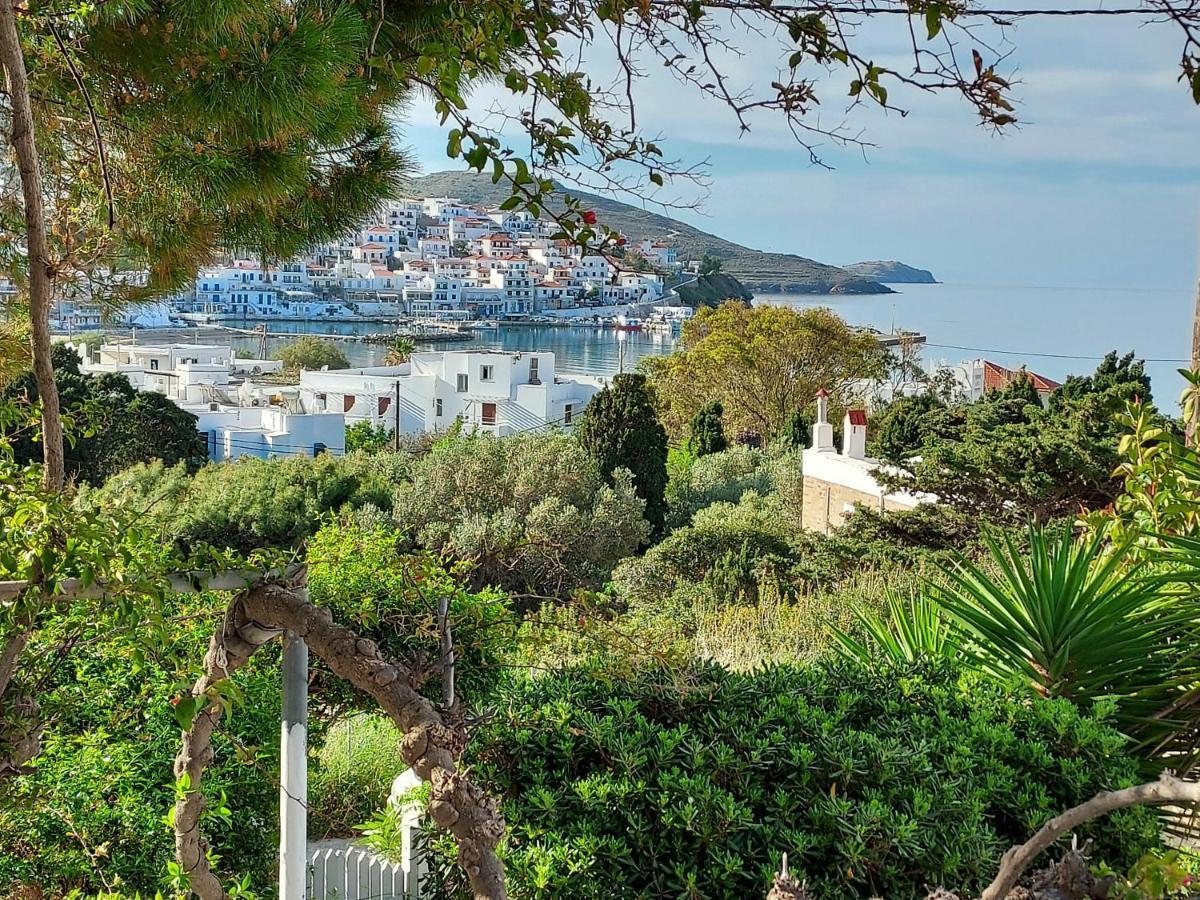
(396, 424)
(1194, 423)
(293, 778)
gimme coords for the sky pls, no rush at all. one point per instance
(1099, 186)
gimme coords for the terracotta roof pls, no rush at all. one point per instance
(996, 377)
(371, 246)
(822, 393)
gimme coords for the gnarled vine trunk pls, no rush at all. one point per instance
(430, 746)
(41, 269)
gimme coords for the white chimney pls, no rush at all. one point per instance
(822, 435)
(854, 434)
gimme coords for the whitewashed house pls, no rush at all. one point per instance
(266, 431)
(235, 420)
(496, 391)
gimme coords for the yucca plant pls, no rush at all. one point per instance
(1083, 620)
(914, 629)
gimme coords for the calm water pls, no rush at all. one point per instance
(1035, 326)
(1045, 328)
(582, 351)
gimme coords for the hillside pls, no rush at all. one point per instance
(711, 290)
(759, 271)
(888, 271)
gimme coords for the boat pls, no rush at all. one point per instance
(627, 323)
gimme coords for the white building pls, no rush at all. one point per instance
(497, 391)
(266, 431)
(835, 483)
(234, 419)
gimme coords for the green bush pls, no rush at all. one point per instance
(104, 781)
(365, 436)
(312, 352)
(747, 531)
(529, 512)
(351, 776)
(252, 502)
(694, 783)
(715, 478)
(360, 572)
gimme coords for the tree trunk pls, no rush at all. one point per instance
(430, 746)
(41, 271)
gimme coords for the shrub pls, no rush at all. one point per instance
(365, 436)
(311, 352)
(707, 432)
(351, 775)
(254, 502)
(529, 512)
(689, 784)
(714, 478)
(360, 573)
(104, 781)
(748, 530)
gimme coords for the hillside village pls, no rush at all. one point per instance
(433, 258)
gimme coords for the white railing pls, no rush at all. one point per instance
(343, 870)
(339, 870)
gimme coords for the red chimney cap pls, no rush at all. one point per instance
(822, 394)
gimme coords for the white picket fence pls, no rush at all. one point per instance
(339, 870)
(342, 870)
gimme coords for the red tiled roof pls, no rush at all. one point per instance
(997, 377)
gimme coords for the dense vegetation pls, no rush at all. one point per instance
(694, 782)
(312, 353)
(111, 425)
(613, 605)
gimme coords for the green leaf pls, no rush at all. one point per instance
(186, 710)
(933, 21)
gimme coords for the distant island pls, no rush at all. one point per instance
(759, 271)
(888, 271)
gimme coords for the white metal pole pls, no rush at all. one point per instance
(293, 778)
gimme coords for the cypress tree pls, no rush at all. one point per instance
(620, 430)
(796, 433)
(708, 434)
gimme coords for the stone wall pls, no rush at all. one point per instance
(825, 504)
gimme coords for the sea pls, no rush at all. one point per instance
(1052, 330)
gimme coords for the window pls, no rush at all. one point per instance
(437, 405)
(533, 370)
(485, 373)
(489, 414)
(462, 382)
(154, 364)
(568, 413)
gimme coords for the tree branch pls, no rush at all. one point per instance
(430, 746)
(1168, 789)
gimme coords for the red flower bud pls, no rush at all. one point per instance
(589, 217)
